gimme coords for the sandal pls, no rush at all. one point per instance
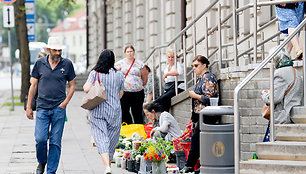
(299, 55)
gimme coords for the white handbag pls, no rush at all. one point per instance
(95, 96)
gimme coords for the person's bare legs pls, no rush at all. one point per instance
(295, 43)
(288, 47)
(105, 159)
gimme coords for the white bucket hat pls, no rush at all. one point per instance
(54, 43)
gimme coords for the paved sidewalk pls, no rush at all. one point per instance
(17, 146)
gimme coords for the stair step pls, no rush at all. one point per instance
(297, 110)
(80, 81)
(300, 118)
(290, 132)
(298, 114)
(282, 150)
(272, 167)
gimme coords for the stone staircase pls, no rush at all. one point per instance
(287, 155)
(80, 80)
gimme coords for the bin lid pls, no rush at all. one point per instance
(217, 110)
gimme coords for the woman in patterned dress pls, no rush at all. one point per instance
(105, 119)
(205, 88)
(290, 15)
(135, 78)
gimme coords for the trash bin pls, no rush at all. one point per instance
(216, 142)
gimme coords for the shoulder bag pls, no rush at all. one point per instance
(129, 68)
(266, 110)
(95, 96)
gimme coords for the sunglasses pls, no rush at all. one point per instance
(195, 65)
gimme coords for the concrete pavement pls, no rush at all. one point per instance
(17, 146)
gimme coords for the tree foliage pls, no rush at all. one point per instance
(48, 14)
(21, 34)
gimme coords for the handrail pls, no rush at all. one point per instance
(260, 44)
(231, 44)
(184, 30)
(243, 83)
(266, 3)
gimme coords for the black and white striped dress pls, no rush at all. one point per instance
(105, 119)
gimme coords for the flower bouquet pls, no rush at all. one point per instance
(158, 152)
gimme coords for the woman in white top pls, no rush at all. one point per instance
(170, 72)
(165, 125)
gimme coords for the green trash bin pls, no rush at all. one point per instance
(216, 142)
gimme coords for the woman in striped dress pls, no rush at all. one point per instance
(105, 119)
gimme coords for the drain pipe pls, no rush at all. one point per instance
(104, 24)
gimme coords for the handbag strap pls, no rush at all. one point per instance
(292, 83)
(129, 68)
(98, 77)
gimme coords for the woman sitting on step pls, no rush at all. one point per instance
(285, 96)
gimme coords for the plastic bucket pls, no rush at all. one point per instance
(148, 128)
(186, 146)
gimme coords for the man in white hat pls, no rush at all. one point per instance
(49, 78)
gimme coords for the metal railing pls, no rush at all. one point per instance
(246, 80)
(207, 32)
(237, 55)
(178, 36)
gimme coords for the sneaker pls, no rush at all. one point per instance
(40, 168)
(187, 169)
(108, 170)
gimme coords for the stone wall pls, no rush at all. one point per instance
(253, 126)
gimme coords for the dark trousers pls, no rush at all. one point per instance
(194, 152)
(133, 101)
(165, 99)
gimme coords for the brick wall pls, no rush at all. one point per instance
(253, 126)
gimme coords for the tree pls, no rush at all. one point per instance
(47, 16)
(22, 39)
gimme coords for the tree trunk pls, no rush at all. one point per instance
(22, 39)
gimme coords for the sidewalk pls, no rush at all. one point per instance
(17, 145)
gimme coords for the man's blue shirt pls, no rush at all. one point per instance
(52, 83)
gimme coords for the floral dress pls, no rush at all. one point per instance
(133, 81)
(206, 86)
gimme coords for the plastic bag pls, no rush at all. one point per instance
(129, 129)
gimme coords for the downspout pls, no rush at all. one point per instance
(183, 17)
(183, 14)
(104, 24)
(87, 35)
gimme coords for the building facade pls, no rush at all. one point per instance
(154, 23)
(72, 32)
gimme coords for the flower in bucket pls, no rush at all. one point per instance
(157, 151)
(154, 154)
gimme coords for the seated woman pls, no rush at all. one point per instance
(170, 72)
(285, 96)
(165, 125)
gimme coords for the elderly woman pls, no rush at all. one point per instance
(165, 125)
(205, 88)
(285, 96)
(170, 72)
(135, 78)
